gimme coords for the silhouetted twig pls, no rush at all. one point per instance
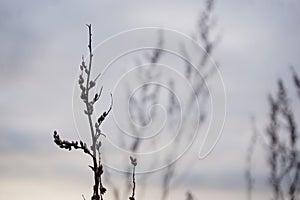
(86, 84)
(69, 145)
(133, 163)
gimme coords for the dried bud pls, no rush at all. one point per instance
(133, 161)
(96, 97)
(81, 80)
(102, 190)
(98, 145)
(92, 84)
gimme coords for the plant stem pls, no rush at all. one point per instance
(96, 177)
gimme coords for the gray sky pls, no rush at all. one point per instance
(41, 46)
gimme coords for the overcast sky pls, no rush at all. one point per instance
(41, 46)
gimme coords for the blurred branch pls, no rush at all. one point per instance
(250, 151)
(296, 81)
(189, 196)
(283, 151)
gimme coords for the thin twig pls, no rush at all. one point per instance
(133, 163)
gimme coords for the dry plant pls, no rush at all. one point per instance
(282, 150)
(249, 159)
(86, 84)
(151, 95)
(139, 106)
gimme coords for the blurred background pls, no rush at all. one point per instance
(253, 43)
